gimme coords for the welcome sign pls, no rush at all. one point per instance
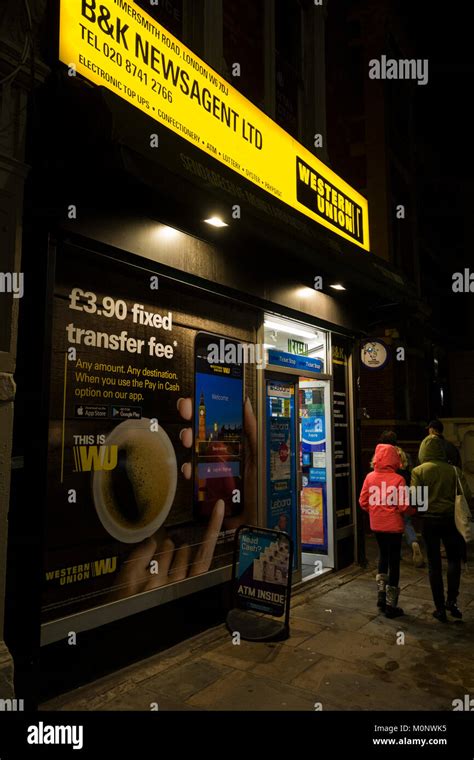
(115, 44)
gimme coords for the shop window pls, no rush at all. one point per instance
(285, 339)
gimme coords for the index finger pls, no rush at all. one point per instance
(205, 553)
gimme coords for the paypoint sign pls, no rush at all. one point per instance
(115, 44)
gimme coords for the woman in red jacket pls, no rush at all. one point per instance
(385, 497)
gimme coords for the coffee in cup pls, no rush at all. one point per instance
(134, 499)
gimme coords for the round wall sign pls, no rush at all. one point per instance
(374, 354)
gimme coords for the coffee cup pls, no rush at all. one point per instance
(133, 499)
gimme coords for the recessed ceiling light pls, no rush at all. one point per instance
(216, 221)
(337, 287)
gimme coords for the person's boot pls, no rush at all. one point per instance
(381, 579)
(418, 559)
(453, 609)
(391, 609)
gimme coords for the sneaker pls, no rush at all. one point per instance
(454, 610)
(418, 559)
(440, 615)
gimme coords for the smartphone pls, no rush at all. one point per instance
(218, 425)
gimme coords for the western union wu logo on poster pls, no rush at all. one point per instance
(115, 44)
(88, 458)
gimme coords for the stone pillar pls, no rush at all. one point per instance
(17, 33)
(11, 202)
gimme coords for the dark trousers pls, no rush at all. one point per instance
(443, 530)
(390, 545)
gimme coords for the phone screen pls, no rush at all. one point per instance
(218, 425)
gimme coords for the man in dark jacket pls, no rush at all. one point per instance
(436, 427)
(440, 480)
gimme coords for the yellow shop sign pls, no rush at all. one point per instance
(115, 44)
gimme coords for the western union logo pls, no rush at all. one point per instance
(88, 458)
(325, 199)
(84, 572)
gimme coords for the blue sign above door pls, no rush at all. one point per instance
(294, 361)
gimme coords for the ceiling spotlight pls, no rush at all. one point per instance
(337, 287)
(216, 221)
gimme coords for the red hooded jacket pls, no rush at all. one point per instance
(381, 495)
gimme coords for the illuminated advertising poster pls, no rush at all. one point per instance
(313, 461)
(281, 464)
(262, 572)
(137, 417)
(115, 44)
(312, 517)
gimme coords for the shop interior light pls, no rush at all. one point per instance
(216, 221)
(337, 287)
(305, 293)
(290, 329)
(168, 233)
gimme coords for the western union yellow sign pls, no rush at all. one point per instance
(115, 44)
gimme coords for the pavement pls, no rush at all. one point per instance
(342, 654)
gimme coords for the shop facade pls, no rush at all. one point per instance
(184, 378)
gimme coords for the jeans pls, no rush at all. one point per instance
(390, 545)
(434, 531)
(410, 532)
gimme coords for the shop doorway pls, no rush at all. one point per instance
(298, 453)
(315, 476)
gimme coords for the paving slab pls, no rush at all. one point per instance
(334, 615)
(373, 651)
(249, 692)
(338, 685)
(284, 664)
(300, 630)
(241, 656)
(420, 632)
(187, 679)
(141, 700)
